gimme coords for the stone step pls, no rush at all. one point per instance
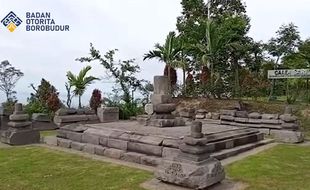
(239, 149)
(237, 141)
(230, 134)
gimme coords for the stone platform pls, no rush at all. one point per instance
(131, 141)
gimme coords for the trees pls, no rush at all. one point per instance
(80, 82)
(168, 53)
(44, 99)
(9, 76)
(123, 72)
(95, 99)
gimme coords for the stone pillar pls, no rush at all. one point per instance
(161, 85)
(20, 130)
(162, 107)
(193, 167)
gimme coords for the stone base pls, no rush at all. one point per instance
(193, 176)
(20, 136)
(166, 122)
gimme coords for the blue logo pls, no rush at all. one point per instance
(11, 21)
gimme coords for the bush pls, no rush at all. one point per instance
(95, 100)
(8, 107)
(36, 106)
(53, 102)
(128, 110)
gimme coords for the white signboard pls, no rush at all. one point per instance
(289, 73)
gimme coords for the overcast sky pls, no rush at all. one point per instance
(132, 26)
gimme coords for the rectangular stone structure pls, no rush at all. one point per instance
(108, 114)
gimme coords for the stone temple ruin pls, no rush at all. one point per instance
(161, 107)
(186, 154)
(20, 129)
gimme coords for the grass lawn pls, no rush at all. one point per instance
(48, 133)
(36, 168)
(285, 167)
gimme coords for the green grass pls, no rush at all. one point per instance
(285, 167)
(48, 133)
(36, 168)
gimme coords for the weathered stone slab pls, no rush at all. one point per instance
(270, 116)
(103, 141)
(288, 118)
(75, 127)
(287, 136)
(65, 143)
(19, 117)
(41, 117)
(291, 126)
(118, 144)
(270, 121)
(173, 143)
(193, 149)
(61, 134)
(99, 150)
(193, 141)
(161, 85)
(77, 146)
(242, 114)
(255, 121)
(255, 115)
(200, 116)
(19, 124)
(74, 136)
(89, 148)
(187, 113)
(241, 120)
(215, 116)
(164, 108)
(152, 140)
(20, 137)
(227, 118)
(162, 122)
(92, 118)
(189, 175)
(162, 116)
(132, 157)
(150, 160)
(179, 122)
(160, 99)
(113, 153)
(145, 148)
(69, 118)
(90, 138)
(228, 112)
(170, 152)
(108, 114)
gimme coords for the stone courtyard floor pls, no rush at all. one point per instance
(176, 132)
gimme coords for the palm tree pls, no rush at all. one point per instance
(215, 41)
(80, 82)
(168, 53)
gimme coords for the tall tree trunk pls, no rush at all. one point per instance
(80, 105)
(184, 78)
(237, 83)
(7, 96)
(169, 78)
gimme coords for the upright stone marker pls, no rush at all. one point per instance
(193, 167)
(20, 130)
(162, 105)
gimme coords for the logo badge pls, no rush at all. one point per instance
(11, 21)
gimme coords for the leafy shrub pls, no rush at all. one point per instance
(53, 102)
(95, 99)
(8, 107)
(35, 106)
(128, 110)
